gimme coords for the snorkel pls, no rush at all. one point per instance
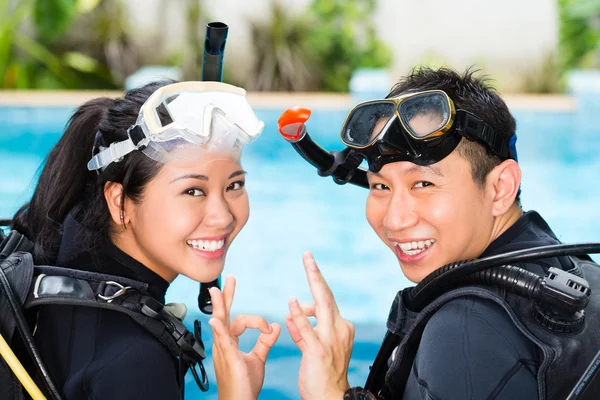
(212, 70)
(343, 167)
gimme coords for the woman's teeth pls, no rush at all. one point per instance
(206, 245)
(413, 248)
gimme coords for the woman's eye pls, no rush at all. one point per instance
(194, 192)
(236, 185)
(379, 186)
(422, 184)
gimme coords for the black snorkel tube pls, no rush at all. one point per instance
(343, 167)
(214, 51)
(212, 70)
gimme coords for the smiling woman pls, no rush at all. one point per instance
(162, 195)
(207, 207)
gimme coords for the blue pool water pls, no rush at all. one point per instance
(293, 210)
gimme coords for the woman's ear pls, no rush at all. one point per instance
(505, 180)
(113, 193)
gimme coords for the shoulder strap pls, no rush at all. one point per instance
(376, 379)
(55, 285)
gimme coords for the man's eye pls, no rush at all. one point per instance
(194, 192)
(422, 184)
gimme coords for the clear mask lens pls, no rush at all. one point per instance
(224, 136)
(425, 115)
(366, 122)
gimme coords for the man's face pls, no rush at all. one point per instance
(430, 216)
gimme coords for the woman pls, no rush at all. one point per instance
(163, 194)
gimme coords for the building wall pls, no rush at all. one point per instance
(507, 39)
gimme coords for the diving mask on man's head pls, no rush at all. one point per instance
(183, 120)
(420, 127)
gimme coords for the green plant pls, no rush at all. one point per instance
(344, 39)
(106, 35)
(579, 33)
(28, 61)
(282, 61)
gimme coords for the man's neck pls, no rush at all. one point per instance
(502, 223)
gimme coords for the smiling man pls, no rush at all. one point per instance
(444, 187)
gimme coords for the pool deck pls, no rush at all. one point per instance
(552, 103)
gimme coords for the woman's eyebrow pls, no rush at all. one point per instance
(237, 173)
(204, 177)
(191, 176)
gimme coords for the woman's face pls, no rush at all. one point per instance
(187, 218)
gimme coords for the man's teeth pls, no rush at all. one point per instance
(412, 248)
(206, 245)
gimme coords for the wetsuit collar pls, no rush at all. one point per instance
(106, 258)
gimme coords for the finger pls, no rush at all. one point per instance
(242, 322)
(308, 309)
(228, 292)
(265, 342)
(295, 334)
(222, 339)
(307, 337)
(326, 308)
(218, 303)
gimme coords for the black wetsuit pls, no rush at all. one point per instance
(470, 348)
(101, 354)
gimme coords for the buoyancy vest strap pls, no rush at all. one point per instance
(114, 295)
(376, 379)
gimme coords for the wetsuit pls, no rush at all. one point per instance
(100, 354)
(470, 348)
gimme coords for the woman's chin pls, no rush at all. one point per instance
(205, 272)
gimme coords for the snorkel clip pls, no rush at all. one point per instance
(347, 160)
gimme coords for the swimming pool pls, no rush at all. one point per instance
(293, 210)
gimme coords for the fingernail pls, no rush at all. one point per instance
(310, 261)
(294, 302)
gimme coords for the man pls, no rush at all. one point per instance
(444, 186)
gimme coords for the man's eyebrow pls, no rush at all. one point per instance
(414, 168)
(419, 168)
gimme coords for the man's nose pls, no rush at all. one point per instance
(401, 213)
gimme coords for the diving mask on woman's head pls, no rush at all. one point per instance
(421, 127)
(183, 120)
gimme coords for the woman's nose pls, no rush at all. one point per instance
(218, 214)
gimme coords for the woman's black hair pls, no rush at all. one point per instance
(66, 185)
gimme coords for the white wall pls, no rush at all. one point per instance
(506, 38)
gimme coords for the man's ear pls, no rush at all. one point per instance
(505, 180)
(113, 193)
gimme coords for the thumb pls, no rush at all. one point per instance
(265, 342)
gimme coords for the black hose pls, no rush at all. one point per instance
(26, 335)
(327, 164)
(204, 300)
(457, 273)
(313, 153)
(214, 51)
